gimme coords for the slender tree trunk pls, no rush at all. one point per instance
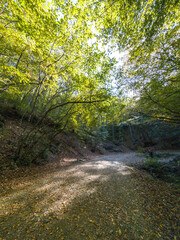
(113, 135)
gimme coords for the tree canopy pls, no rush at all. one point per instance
(56, 60)
(45, 47)
(149, 31)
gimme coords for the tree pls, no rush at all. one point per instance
(47, 66)
(149, 31)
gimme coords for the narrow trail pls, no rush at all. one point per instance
(98, 199)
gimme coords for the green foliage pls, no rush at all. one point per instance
(165, 171)
(48, 55)
(140, 149)
(48, 68)
(1, 118)
(149, 32)
(56, 63)
(1, 121)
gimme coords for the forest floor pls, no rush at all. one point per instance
(102, 198)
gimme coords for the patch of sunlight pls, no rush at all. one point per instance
(119, 167)
(125, 172)
(49, 186)
(61, 206)
(58, 190)
(63, 189)
(68, 194)
(107, 164)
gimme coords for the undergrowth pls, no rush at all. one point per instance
(166, 171)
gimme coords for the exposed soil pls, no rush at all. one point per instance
(97, 199)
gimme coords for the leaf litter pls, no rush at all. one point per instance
(89, 200)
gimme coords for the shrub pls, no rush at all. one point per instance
(140, 149)
(166, 171)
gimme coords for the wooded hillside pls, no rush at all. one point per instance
(57, 65)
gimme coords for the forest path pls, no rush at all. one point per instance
(98, 199)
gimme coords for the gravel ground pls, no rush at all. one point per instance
(125, 158)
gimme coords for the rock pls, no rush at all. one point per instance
(117, 150)
(100, 150)
(108, 146)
